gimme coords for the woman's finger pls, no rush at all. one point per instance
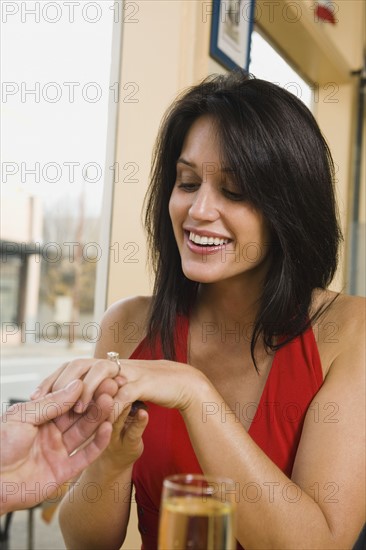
(46, 385)
(78, 368)
(135, 426)
(119, 416)
(95, 374)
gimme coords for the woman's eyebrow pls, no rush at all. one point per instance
(182, 160)
(225, 169)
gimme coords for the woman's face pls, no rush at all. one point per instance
(218, 234)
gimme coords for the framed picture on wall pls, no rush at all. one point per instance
(231, 30)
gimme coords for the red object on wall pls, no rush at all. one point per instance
(325, 12)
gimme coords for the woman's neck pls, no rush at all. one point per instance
(230, 301)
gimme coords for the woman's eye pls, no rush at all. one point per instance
(233, 196)
(190, 187)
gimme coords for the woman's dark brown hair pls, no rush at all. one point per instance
(283, 167)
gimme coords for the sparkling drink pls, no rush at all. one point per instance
(197, 515)
(190, 523)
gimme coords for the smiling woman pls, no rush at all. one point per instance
(210, 215)
(280, 169)
(233, 350)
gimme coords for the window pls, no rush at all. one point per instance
(268, 64)
(57, 92)
(11, 268)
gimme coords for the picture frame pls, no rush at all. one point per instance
(231, 31)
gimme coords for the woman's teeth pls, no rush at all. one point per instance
(198, 239)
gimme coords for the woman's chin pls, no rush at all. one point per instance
(200, 275)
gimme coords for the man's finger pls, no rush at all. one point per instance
(46, 408)
(88, 423)
(85, 456)
(109, 386)
(97, 410)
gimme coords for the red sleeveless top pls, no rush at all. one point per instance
(294, 379)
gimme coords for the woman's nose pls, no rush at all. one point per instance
(204, 205)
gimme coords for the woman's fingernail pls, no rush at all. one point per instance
(35, 394)
(70, 387)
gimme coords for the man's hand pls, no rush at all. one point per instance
(38, 439)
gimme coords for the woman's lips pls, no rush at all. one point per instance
(203, 250)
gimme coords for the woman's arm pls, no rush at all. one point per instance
(322, 506)
(95, 513)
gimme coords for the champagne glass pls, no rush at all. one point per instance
(197, 513)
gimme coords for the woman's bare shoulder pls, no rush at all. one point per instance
(341, 308)
(341, 327)
(124, 326)
(133, 308)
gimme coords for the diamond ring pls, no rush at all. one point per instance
(114, 356)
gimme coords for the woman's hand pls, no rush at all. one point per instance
(126, 443)
(95, 373)
(166, 383)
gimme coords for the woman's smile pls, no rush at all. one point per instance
(204, 243)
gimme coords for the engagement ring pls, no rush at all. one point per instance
(114, 356)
